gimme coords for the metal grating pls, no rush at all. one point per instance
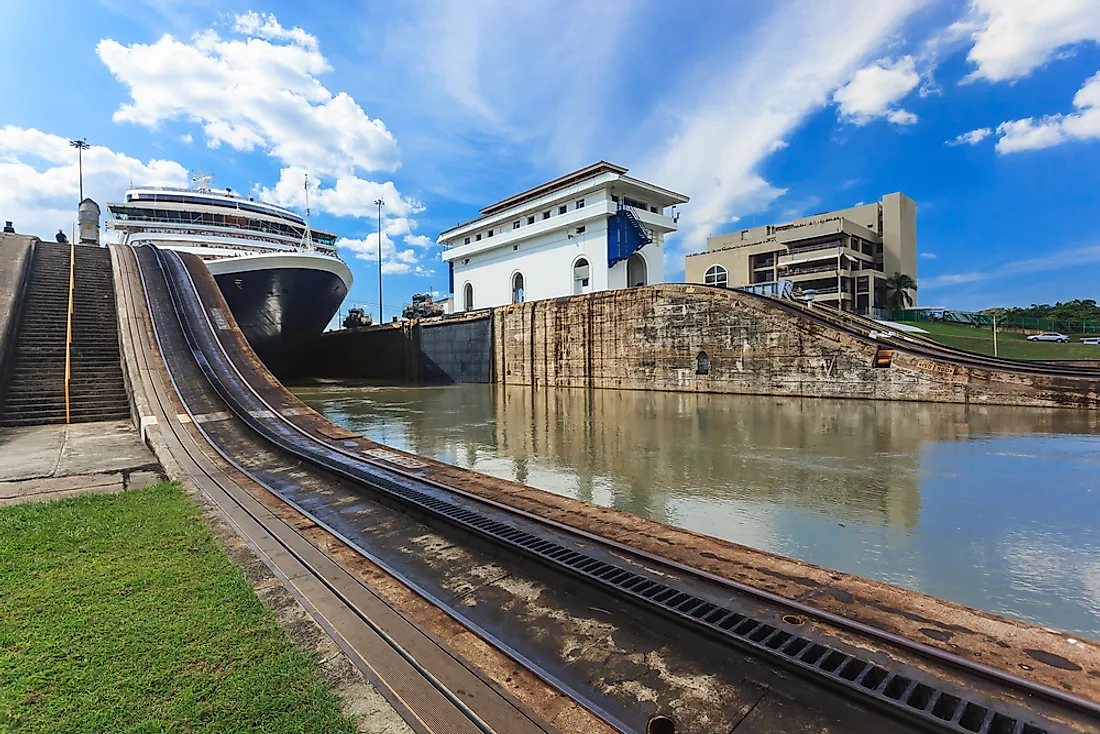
(918, 699)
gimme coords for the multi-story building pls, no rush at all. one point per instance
(591, 230)
(844, 256)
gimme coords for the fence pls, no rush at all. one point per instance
(1003, 322)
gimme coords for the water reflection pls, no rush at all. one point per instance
(991, 507)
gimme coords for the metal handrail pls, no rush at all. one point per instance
(69, 328)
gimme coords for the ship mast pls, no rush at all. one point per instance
(307, 236)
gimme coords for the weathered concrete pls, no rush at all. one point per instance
(651, 338)
(15, 259)
(82, 453)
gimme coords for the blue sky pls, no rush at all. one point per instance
(986, 112)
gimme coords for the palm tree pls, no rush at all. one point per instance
(898, 286)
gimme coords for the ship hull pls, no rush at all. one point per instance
(282, 302)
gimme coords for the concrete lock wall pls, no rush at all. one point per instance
(457, 351)
(651, 338)
(15, 261)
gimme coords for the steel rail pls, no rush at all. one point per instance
(451, 696)
(995, 675)
(920, 348)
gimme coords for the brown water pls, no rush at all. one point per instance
(996, 508)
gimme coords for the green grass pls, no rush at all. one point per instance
(1009, 344)
(122, 613)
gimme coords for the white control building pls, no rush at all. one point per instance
(591, 230)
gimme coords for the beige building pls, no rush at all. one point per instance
(843, 256)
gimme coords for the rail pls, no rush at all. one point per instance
(874, 684)
(69, 326)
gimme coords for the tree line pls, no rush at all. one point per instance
(1075, 310)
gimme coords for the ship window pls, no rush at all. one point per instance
(716, 275)
(517, 288)
(468, 297)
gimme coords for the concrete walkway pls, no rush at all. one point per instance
(51, 462)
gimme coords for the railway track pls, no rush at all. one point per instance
(862, 328)
(795, 644)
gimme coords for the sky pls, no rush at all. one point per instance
(985, 112)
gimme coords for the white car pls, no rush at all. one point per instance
(1049, 336)
(1091, 340)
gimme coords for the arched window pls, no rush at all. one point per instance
(702, 364)
(716, 275)
(581, 277)
(468, 297)
(517, 288)
(635, 271)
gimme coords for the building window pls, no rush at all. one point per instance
(546, 215)
(614, 198)
(580, 204)
(580, 230)
(702, 364)
(581, 276)
(515, 224)
(531, 220)
(635, 270)
(563, 209)
(478, 237)
(717, 276)
(517, 288)
(467, 241)
(468, 297)
(490, 233)
(653, 209)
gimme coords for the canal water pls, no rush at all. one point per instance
(992, 507)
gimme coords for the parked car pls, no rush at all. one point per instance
(1049, 336)
(1091, 340)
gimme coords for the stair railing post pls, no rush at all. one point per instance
(69, 327)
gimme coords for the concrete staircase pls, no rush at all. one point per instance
(35, 393)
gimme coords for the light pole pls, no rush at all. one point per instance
(379, 203)
(81, 146)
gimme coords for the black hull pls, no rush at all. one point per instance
(282, 310)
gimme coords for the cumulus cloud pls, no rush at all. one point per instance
(39, 186)
(1032, 134)
(419, 240)
(971, 138)
(1014, 37)
(258, 92)
(349, 196)
(395, 261)
(875, 90)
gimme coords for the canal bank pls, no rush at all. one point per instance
(986, 506)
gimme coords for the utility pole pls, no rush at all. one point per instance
(379, 203)
(994, 333)
(81, 146)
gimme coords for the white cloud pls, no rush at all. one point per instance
(875, 89)
(1031, 134)
(419, 240)
(1013, 37)
(349, 196)
(39, 187)
(260, 92)
(394, 261)
(928, 255)
(971, 138)
(266, 25)
(720, 138)
(1068, 258)
(186, 138)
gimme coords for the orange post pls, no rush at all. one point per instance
(69, 328)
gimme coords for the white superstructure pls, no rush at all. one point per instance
(591, 230)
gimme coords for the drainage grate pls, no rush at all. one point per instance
(906, 695)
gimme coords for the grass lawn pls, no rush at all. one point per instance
(1009, 344)
(122, 613)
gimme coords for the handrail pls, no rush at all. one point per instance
(69, 328)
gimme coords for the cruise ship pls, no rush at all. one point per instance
(281, 278)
